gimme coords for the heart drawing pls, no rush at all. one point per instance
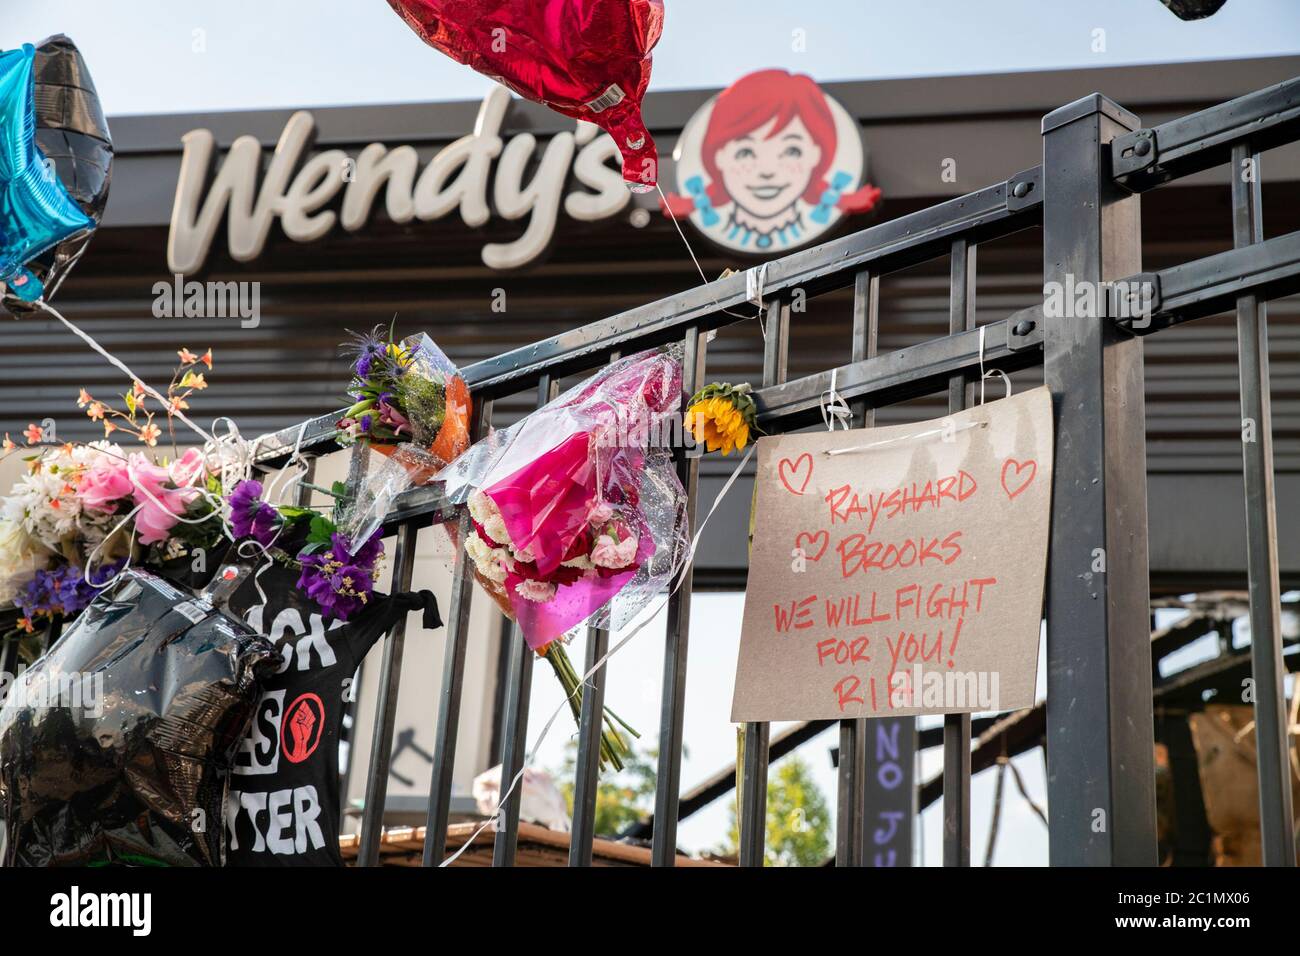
(824, 537)
(1017, 476)
(795, 473)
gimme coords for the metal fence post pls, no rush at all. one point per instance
(753, 784)
(672, 708)
(956, 727)
(1272, 748)
(1100, 734)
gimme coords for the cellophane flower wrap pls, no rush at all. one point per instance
(407, 391)
(578, 515)
(412, 407)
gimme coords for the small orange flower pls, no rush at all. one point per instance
(187, 357)
(8, 444)
(207, 359)
(138, 387)
(150, 434)
(194, 380)
(96, 411)
(33, 433)
(109, 428)
(177, 405)
(26, 624)
(84, 398)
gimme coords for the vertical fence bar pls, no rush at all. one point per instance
(850, 833)
(514, 746)
(672, 707)
(587, 771)
(753, 790)
(1100, 732)
(956, 727)
(514, 743)
(1271, 746)
(590, 724)
(390, 676)
(453, 675)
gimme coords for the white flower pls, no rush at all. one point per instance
(495, 526)
(492, 563)
(537, 591)
(20, 559)
(481, 507)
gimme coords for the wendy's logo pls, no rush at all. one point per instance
(769, 164)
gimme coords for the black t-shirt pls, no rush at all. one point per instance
(283, 806)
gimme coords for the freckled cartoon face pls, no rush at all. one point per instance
(765, 172)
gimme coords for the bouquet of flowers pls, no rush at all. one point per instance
(83, 512)
(578, 515)
(407, 391)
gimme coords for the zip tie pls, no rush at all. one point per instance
(984, 376)
(834, 408)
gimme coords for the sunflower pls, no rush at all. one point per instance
(722, 416)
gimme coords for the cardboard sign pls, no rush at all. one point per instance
(899, 570)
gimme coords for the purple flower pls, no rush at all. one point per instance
(62, 590)
(339, 581)
(250, 517)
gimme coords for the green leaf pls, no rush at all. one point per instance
(321, 529)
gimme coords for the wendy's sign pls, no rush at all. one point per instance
(899, 571)
(479, 174)
(770, 164)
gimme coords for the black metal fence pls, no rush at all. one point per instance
(1086, 196)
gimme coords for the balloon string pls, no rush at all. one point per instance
(585, 681)
(118, 363)
(698, 268)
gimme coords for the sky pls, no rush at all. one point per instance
(160, 56)
(163, 56)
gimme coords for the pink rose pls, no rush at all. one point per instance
(610, 553)
(104, 483)
(601, 513)
(160, 506)
(189, 469)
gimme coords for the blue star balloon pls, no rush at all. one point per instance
(36, 212)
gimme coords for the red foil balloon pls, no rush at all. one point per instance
(589, 59)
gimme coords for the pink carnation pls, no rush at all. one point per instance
(539, 591)
(104, 483)
(609, 553)
(160, 506)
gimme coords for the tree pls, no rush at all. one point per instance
(622, 798)
(798, 818)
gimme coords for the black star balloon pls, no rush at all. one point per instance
(72, 135)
